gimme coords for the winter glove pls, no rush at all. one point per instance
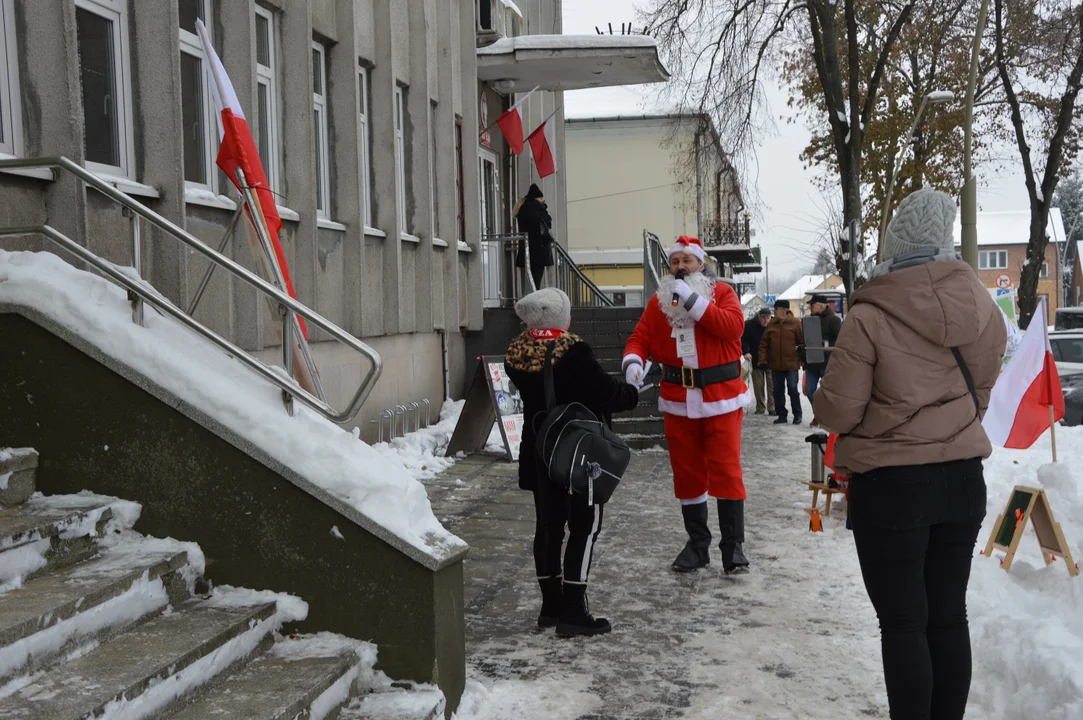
(633, 375)
(680, 287)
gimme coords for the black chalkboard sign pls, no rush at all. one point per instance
(1017, 511)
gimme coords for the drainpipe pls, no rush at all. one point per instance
(446, 355)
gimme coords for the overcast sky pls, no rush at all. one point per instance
(790, 198)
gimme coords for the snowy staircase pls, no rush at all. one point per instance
(607, 330)
(97, 621)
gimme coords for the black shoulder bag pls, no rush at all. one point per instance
(969, 379)
(577, 449)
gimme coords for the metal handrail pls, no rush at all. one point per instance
(596, 296)
(288, 386)
(654, 260)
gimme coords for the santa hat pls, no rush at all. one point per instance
(689, 245)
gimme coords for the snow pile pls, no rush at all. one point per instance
(1026, 624)
(551, 697)
(422, 452)
(185, 364)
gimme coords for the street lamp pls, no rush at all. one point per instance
(936, 97)
(969, 199)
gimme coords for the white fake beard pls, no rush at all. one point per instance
(678, 317)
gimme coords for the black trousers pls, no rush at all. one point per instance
(915, 528)
(786, 380)
(556, 510)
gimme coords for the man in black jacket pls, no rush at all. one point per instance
(761, 374)
(830, 326)
(577, 377)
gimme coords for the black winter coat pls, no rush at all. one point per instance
(577, 377)
(535, 221)
(750, 341)
(830, 327)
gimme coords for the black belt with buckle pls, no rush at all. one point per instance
(699, 378)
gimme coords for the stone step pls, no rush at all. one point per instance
(42, 518)
(51, 614)
(278, 687)
(645, 441)
(639, 426)
(18, 467)
(412, 703)
(142, 671)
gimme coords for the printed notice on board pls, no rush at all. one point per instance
(508, 404)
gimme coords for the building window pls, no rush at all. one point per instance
(267, 138)
(1044, 273)
(319, 123)
(10, 113)
(400, 154)
(489, 173)
(993, 260)
(485, 14)
(102, 30)
(365, 146)
(196, 105)
(433, 186)
(460, 225)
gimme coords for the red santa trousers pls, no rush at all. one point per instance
(706, 456)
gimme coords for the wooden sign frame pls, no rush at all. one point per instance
(1028, 504)
(487, 403)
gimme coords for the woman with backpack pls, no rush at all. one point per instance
(577, 377)
(906, 389)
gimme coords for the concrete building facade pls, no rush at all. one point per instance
(370, 119)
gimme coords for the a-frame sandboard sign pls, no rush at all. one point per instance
(1029, 504)
(491, 398)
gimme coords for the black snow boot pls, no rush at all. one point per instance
(697, 551)
(575, 617)
(551, 602)
(731, 521)
(781, 420)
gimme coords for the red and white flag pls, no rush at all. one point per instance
(1019, 406)
(511, 124)
(543, 143)
(237, 149)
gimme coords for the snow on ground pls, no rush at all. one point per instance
(378, 484)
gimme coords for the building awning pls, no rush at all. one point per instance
(570, 62)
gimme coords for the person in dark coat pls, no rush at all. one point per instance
(577, 377)
(534, 220)
(761, 372)
(830, 325)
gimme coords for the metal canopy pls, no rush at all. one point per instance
(570, 62)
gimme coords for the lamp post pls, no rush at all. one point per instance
(969, 200)
(937, 97)
(1062, 260)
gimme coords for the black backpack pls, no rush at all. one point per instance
(577, 449)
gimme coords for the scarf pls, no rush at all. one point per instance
(913, 259)
(545, 333)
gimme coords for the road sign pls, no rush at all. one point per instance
(770, 299)
(1004, 281)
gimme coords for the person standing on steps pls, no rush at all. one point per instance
(577, 377)
(692, 328)
(532, 215)
(779, 351)
(830, 325)
(761, 372)
(906, 388)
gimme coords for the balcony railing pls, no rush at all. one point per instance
(728, 234)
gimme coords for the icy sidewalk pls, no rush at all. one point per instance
(796, 638)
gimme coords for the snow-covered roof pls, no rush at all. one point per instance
(751, 297)
(806, 285)
(1011, 227)
(568, 42)
(376, 487)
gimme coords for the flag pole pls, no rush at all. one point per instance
(517, 104)
(1053, 431)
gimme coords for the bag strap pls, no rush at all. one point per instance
(550, 388)
(966, 376)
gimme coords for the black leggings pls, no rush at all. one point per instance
(555, 509)
(915, 528)
(537, 271)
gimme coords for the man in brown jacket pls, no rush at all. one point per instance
(906, 389)
(778, 350)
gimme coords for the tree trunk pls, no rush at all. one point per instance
(1028, 281)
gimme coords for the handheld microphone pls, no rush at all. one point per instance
(677, 298)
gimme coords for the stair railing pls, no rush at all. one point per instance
(580, 289)
(655, 263)
(140, 292)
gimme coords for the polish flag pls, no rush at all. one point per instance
(237, 149)
(511, 124)
(543, 143)
(1019, 406)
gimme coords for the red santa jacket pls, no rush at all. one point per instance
(719, 324)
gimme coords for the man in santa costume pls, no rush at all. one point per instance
(692, 327)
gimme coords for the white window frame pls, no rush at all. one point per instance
(486, 156)
(993, 260)
(189, 45)
(116, 12)
(319, 107)
(364, 144)
(12, 142)
(400, 155)
(268, 77)
(1043, 273)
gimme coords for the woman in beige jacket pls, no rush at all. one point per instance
(906, 389)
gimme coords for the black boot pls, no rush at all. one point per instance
(781, 420)
(731, 521)
(697, 551)
(575, 617)
(551, 602)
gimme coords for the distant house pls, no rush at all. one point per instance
(752, 303)
(802, 291)
(1002, 249)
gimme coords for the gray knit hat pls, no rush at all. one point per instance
(923, 221)
(546, 308)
